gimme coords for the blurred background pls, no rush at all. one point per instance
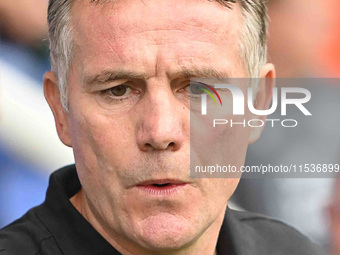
(304, 42)
(29, 146)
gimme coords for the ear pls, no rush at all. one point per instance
(263, 98)
(52, 95)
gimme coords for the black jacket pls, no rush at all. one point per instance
(56, 228)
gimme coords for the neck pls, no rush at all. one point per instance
(205, 244)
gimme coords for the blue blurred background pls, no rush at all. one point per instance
(29, 146)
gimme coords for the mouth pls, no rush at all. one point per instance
(161, 187)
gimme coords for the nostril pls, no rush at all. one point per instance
(159, 146)
(148, 145)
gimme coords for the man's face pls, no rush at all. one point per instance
(129, 115)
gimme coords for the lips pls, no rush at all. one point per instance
(161, 182)
(162, 187)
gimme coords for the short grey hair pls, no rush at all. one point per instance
(253, 45)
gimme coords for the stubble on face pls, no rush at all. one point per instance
(118, 144)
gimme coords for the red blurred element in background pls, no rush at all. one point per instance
(332, 47)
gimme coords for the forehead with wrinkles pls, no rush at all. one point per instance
(116, 29)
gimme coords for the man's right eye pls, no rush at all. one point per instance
(118, 91)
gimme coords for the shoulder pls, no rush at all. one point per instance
(272, 236)
(28, 236)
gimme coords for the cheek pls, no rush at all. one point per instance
(100, 145)
(100, 141)
(219, 189)
(224, 144)
(216, 193)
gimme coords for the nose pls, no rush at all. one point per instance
(162, 122)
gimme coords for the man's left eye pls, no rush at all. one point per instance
(119, 90)
(194, 89)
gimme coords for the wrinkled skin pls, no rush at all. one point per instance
(146, 135)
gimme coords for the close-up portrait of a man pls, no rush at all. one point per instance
(121, 95)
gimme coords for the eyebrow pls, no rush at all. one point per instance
(107, 76)
(203, 73)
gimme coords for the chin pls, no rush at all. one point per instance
(166, 231)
